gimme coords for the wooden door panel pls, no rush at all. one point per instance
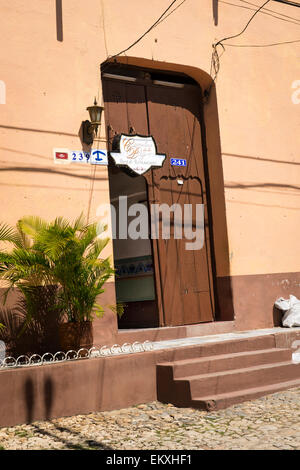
(174, 121)
(196, 261)
(186, 275)
(125, 108)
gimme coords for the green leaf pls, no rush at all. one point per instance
(118, 309)
(98, 310)
(8, 234)
(32, 225)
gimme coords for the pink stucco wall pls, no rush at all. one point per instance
(49, 83)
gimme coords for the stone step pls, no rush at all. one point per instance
(239, 379)
(230, 346)
(225, 362)
(224, 400)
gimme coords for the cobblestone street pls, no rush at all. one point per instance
(270, 422)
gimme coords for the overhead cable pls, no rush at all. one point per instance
(159, 20)
(287, 2)
(215, 59)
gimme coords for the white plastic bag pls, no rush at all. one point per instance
(291, 307)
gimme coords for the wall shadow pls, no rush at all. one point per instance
(85, 444)
(50, 171)
(29, 129)
(48, 396)
(29, 399)
(31, 402)
(215, 11)
(217, 210)
(59, 21)
(277, 316)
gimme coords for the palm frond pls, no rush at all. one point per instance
(80, 224)
(24, 240)
(62, 225)
(32, 225)
(95, 249)
(52, 242)
(8, 234)
(87, 237)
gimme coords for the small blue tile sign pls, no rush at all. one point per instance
(99, 157)
(178, 162)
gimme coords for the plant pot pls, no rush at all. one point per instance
(76, 335)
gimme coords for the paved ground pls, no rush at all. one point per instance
(271, 422)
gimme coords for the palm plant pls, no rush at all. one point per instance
(57, 253)
(7, 234)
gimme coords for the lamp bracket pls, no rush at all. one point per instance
(87, 132)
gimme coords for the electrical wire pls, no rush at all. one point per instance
(159, 20)
(172, 11)
(287, 2)
(263, 45)
(265, 11)
(271, 11)
(243, 30)
(215, 58)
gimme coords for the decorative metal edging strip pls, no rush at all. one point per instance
(72, 355)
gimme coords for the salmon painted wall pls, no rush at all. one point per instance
(50, 82)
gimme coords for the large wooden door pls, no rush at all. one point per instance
(184, 274)
(183, 278)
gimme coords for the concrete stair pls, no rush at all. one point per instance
(222, 374)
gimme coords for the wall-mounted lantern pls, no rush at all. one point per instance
(90, 128)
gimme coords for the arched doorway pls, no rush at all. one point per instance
(169, 109)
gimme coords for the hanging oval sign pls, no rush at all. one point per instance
(138, 153)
